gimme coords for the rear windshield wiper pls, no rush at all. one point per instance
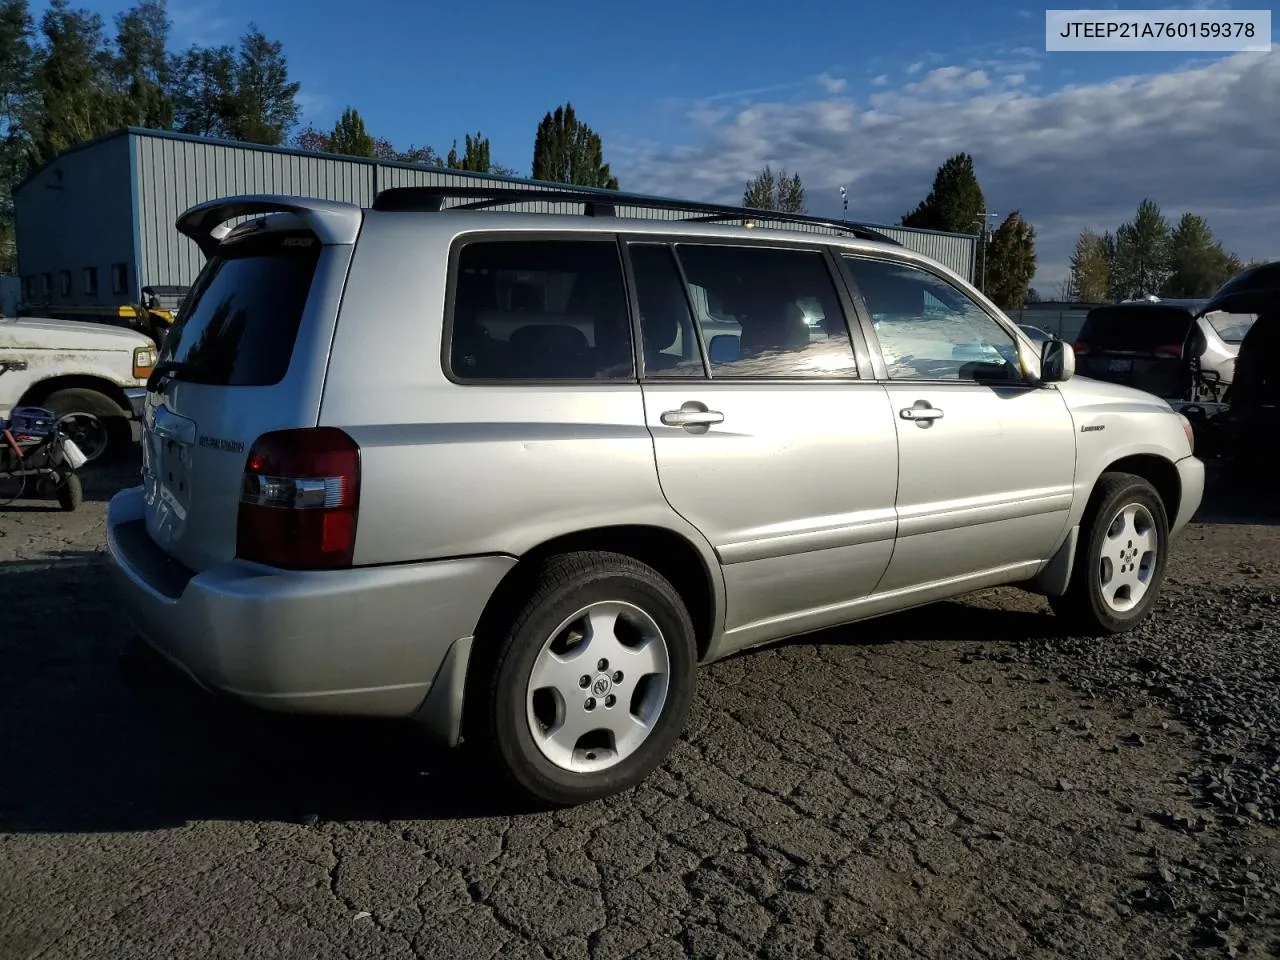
(163, 371)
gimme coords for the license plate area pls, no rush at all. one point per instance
(1120, 365)
(167, 474)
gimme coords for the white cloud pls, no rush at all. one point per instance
(881, 81)
(1202, 138)
(915, 67)
(832, 84)
(1024, 14)
(199, 22)
(311, 104)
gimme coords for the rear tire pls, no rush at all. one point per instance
(1120, 559)
(93, 420)
(605, 619)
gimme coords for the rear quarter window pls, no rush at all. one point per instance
(240, 321)
(539, 309)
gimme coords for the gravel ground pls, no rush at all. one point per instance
(961, 781)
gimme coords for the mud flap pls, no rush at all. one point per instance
(1054, 579)
(440, 714)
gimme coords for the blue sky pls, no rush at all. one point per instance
(692, 98)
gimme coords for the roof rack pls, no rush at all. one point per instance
(601, 203)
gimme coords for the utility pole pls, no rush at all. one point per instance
(844, 199)
(985, 236)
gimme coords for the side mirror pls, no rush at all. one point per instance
(1057, 361)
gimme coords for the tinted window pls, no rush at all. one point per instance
(1138, 327)
(768, 312)
(929, 329)
(666, 325)
(241, 319)
(540, 310)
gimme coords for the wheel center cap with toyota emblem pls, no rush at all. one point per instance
(601, 686)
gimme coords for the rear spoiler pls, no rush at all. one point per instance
(332, 221)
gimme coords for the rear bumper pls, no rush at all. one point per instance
(1191, 482)
(369, 641)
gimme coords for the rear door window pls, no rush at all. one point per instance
(240, 321)
(768, 312)
(539, 309)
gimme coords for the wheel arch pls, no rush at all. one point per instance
(43, 389)
(1158, 471)
(1054, 578)
(672, 554)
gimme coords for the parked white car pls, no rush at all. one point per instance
(92, 375)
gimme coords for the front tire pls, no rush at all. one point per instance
(1120, 559)
(99, 427)
(589, 684)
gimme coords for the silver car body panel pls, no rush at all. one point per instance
(810, 504)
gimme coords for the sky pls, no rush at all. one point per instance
(692, 98)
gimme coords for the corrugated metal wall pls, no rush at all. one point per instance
(72, 216)
(176, 173)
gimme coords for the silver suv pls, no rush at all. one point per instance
(514, 475)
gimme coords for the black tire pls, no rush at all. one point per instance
(100, 407)
(1084, 608)
(498, 724)
(71, 493)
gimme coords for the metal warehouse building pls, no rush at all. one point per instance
(95, 224)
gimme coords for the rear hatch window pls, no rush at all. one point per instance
(1135, 329)
(239, 322)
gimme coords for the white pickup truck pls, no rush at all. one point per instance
(92, 375)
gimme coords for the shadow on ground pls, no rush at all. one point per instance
(92, 747)
(1233, 500)
(88, 748)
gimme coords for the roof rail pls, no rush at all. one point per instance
(601, 203)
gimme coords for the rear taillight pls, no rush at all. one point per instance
(1080, 347)
(299, 500)
(1170, 352)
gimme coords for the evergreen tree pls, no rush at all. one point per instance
(1090, 269)
(349, 136)
(143, 66)
(566, 150)
(238, 94)
(1141, 260)
(1011, 262)
(16, 107)
(955, 203)
(1197, 262)
(264, 107)
(770, 191)
(73, 81)
(475, 158)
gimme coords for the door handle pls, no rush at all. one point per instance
(692, 418)
(921, 412)
(692, 414)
